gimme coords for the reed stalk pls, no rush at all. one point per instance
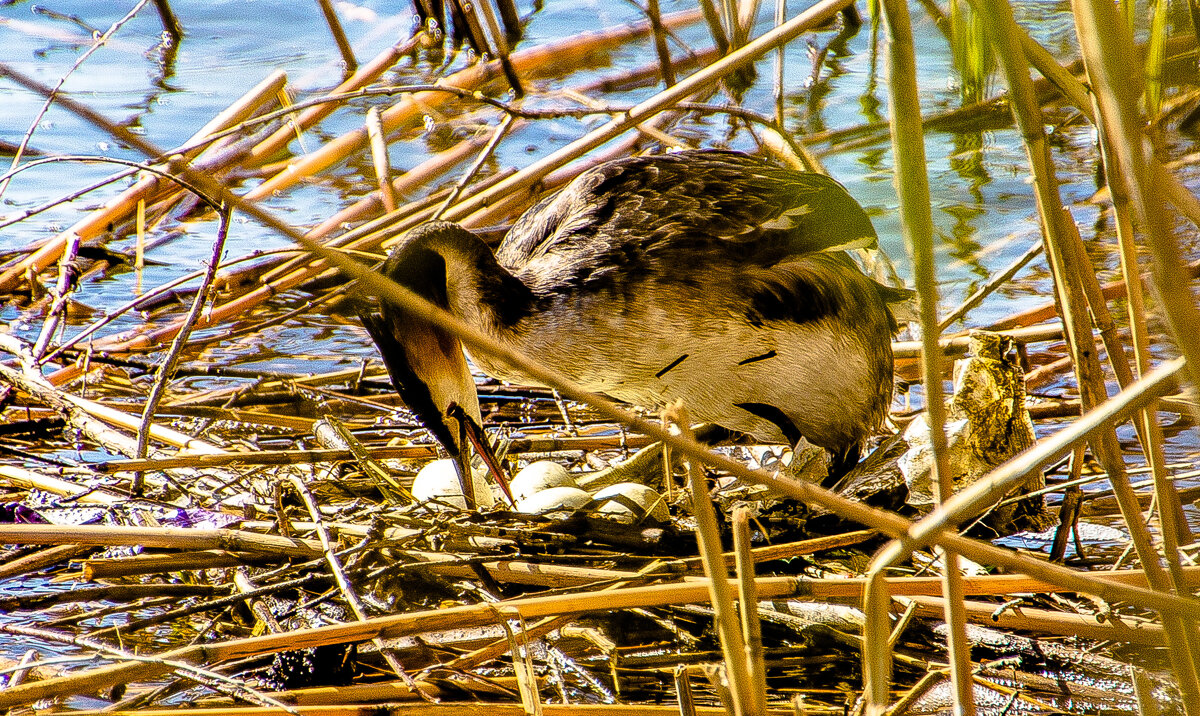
(748, 609)
(160, 537)
(912, 186)
(40, 560)
(1045, 621)
(725, 617)
(660, 43)
(170, 21)
(189, 561)
(379, 159)
(339, 36)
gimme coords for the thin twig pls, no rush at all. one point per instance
(167, 369)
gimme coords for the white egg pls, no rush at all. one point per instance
(437, 487)
(553, 500)
(630, 502)
(538, 476)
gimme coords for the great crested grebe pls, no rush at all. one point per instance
(709, 276)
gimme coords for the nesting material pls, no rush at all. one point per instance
(989, 424)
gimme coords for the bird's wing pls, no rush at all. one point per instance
(692, 201)
(811, 288)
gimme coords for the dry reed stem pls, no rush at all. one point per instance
(1181, 639)
(115, 593)
(1064, 260)
(160, 537)
(425, 172)
(192, 561)
(660, 43)
(912, 185)
(303, 269)
(1044, 621)
(379, 159)
(41, 559)
(498, 134)
(957, 345)
(339, 36)
(260, 609)
(748, 609)
(547, 625)
(27, 479)
(68, 373)
(500, 43)
(62, 292)
(725, 617)
(149, 187)
(996, 281)
(384, 627)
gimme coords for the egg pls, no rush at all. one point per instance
(554, 501)
(630, 502)
(538, 476)
(437, 487)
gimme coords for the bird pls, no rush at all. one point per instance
(709, 276)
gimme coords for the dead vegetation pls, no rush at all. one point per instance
(248, 539)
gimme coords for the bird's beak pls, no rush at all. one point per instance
(430, 372)
(472, 431)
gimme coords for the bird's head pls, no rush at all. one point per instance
(426, 363)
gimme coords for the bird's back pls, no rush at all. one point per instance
(624, 217)
(709, 276)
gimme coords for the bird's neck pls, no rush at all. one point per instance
(453, 268)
